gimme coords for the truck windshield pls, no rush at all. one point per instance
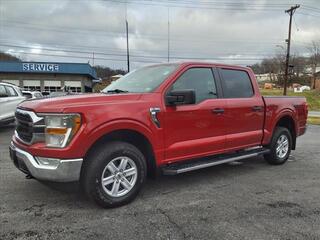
(142, 80)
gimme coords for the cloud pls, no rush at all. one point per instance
(234, 32)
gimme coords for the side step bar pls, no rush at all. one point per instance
(178, 168)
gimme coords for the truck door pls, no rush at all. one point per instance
(195, 130)
(244, 112)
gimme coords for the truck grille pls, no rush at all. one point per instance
(30, 127)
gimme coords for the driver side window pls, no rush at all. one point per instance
(200, 80)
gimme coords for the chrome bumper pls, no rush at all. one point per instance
(56, 170)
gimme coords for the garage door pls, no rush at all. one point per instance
(15, 82)
(31, 85)
(74, 86)
(52, 86)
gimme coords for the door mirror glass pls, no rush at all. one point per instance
(180, 97)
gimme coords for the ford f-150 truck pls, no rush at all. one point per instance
(169, 118)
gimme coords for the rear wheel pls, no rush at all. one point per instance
(280, 146)
(113, 174)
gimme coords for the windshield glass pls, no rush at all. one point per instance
(142, 80)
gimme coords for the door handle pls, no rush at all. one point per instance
(218, 111)
(257, 108)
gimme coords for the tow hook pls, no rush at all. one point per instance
(28, 176)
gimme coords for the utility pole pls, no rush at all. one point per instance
(127, 32)
(291, 11)
(168, 35)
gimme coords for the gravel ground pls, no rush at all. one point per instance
(252, 200)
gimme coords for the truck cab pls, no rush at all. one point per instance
(168, 118)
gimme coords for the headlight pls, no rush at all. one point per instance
(61, 128)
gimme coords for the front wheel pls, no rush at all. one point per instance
(113, 174)
(280, 146)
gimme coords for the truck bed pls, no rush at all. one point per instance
(277, 106)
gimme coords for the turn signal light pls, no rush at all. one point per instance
(56, 130)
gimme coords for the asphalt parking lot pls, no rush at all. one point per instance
(252, 200)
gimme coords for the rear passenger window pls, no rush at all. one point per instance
(236, 84)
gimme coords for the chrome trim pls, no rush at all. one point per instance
(214, 163)
(35, 118)
(153, 113)
(68, 170)
(36, 137)
(21, 140)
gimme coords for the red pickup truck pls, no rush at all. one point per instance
(171, 118)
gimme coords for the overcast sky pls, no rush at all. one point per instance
(237, 32)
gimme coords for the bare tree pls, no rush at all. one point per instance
(279, 63)
(314, 59)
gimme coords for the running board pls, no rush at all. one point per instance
(183, 167)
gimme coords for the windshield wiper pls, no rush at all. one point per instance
(117, 91)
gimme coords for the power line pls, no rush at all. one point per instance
(308, 14)
(242, 56)
(97, 50)
(311, 8)
(188, 4)
(80, 57)
(201, 41)
(148, 36)
(123, 55)
(148, 61)
(177, 5)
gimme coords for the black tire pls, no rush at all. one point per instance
(96, 162)
(272, 157)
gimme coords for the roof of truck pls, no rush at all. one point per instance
(187, 63)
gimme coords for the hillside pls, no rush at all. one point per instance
(8, 57)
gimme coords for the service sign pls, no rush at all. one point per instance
(40, 67)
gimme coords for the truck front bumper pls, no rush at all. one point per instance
(42, 168)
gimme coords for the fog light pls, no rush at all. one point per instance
(48, 162)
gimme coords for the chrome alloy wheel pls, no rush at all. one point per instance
(119, 176)
(282, 147)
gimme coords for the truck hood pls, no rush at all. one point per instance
(59, 104)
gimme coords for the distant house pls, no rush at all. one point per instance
(268, 86)
(309, 70)
(267, 77)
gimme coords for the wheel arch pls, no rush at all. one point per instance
(132, 136)
(287, 121)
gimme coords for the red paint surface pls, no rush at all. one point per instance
(187, 131)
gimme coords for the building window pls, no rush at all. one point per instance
(75, 89)
(32, 88)
(52, 89)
